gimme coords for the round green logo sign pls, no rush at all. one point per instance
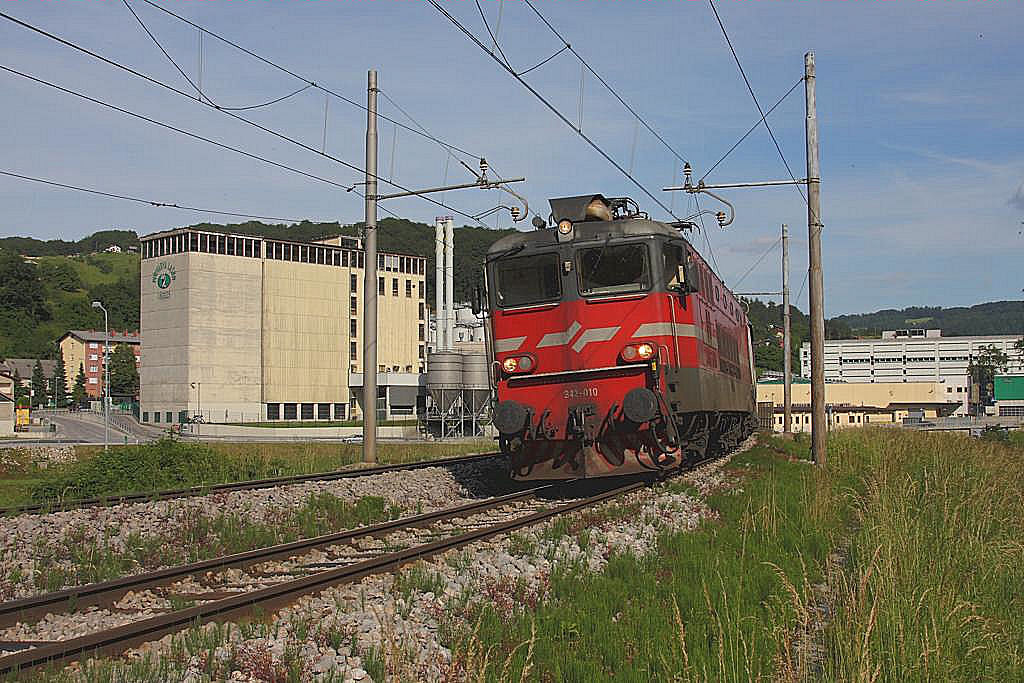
(164, 275)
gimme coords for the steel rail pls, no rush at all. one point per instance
(192, 491)
(118, 639)
(106, 593)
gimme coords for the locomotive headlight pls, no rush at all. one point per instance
(517, 365)
(638, 353)
(565, 227)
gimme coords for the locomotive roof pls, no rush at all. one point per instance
(585, 231)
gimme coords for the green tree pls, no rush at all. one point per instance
(78, 393)
(39, 389)
(59, 388)
(60, 274)
(124, 375)
(982, 371)
(20, 287)
(19, 390)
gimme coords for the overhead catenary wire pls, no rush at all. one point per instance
(751, 130)
(304, 79)
(750, 89)
(469, 34)
(198, 88)
(605, 83)
(150, 202)
(756, 263)
(202, 101)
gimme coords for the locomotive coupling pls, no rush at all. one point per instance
(640, 405)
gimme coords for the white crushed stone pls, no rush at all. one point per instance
(25, 539)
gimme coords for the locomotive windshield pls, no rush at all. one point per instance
(528, 280)
(614, 269)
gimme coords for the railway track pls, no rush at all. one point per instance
(259, 586)
(145, 497)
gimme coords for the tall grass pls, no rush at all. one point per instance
(718, 603)
(932, 584)
(169, 464)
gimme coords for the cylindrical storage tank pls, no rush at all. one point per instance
(475, 382)
(444, 378)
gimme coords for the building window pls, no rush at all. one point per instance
(352, 328)
(93, 380)
(421, 332)
(323, 411)
(420, 285)
(353, 306)
(93, 368)
(421, 310)
(423, 352)
(339, 411)
(352, 350)
(230, 246)
(394, 286)
(380, 286)
(307, 411)
(290, 411)
(353, 283)
(93, 345)
(145, 417)
(169, 416)
(93, 356)
(156, 416)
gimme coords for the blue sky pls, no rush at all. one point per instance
(919, 106)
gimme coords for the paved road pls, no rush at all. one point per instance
(86, 428)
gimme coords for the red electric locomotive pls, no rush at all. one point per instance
(616, 348)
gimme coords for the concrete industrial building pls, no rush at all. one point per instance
(239, 328)
(859, 404)
(84, 349)
(911, 356)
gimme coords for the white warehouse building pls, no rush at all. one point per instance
(910, 356)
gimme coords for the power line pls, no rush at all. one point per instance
(304, 79)
(150, 202)
(757, 262)
(469, 34)
(751, 130)
(197, 88)
(750, 89)
(194, 98)
(603, 82)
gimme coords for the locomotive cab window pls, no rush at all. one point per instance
(527, 280)
(614, 269)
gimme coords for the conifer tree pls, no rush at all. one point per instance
(39, 392)
(78, 394)
(59, 388)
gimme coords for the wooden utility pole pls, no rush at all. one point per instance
(787, 340)
(370, 278)
(819, 433)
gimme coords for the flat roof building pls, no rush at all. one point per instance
(910, 356)
(858, 404)
(239, 328)
(84, 349)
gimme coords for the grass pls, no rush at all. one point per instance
(711, 604)
(934, 583)
(170, 464)
(901, 559)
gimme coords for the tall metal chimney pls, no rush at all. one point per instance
(439, 279)
(449, 282)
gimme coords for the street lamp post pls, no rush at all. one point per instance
(106, 375)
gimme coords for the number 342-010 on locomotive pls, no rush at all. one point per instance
(616, 348)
